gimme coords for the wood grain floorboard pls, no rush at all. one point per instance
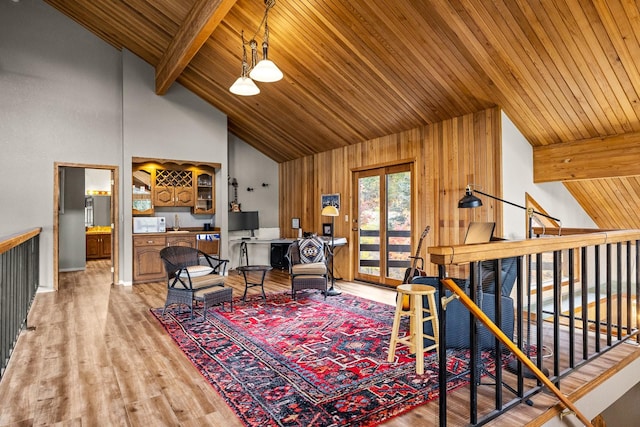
(96, 356)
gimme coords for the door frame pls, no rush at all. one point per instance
(411, 164)
(115, 231)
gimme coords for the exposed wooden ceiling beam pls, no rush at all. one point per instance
(203, 18)
(609, 157)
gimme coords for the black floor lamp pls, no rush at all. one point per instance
(333, 212)
(471, 201)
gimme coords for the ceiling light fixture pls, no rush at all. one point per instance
(262, 71)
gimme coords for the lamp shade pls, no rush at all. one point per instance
(330, 211)
(244, 86)
(266, 71)
(469, 201)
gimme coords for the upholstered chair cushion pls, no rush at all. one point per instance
(309, 268)
(196, 271)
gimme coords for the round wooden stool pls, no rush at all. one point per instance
(417, 315)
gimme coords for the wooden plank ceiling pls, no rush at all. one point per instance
(563, 70)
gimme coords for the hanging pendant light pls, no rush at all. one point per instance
(264, 71)
(244, 86)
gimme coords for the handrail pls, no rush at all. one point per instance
(557, 231)
(13, 240)
(464, 254)
(495, 330)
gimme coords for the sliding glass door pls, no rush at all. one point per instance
(383, 224)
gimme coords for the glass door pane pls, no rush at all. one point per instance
(398, 230)
(369, 227)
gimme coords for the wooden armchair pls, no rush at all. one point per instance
(308, 265)
(189, 280)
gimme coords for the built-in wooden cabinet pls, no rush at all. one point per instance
(209, 243)
(166, 183)
(186, 239)
(147, 265)
(173, 188)
(98, 245)
(142, 204)
(205, 195)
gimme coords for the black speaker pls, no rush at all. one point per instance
(278, 255)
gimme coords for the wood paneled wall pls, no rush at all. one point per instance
(446, 156)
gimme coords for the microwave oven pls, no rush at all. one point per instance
(149, 224)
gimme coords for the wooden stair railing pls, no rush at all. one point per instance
(493, 328)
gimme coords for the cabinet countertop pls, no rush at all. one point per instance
(186, 231)
(98, 230)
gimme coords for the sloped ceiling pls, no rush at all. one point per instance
(563, 71)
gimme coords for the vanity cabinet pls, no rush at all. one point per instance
(147, 264)
(98, 245)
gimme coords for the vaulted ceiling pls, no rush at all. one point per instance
(564, 71)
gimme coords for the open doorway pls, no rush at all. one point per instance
(75, 215)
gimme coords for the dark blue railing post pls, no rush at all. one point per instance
(19, 276)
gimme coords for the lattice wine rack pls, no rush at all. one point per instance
(173, 178)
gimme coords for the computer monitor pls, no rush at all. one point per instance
(479, 232)
(244, 221)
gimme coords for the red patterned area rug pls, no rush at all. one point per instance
(307, 362)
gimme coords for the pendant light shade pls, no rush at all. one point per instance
(266, 71)
(244, 86)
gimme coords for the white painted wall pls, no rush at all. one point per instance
(60, 100)
(517, 179)
(252, 169)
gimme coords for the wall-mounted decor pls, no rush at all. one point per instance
(330, 200)
(327, 229)
(295, 222)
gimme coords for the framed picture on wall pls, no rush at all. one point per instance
(327, 229)
(330, 200)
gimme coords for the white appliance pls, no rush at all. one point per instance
(149, 224)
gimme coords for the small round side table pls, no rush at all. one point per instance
(244, 269)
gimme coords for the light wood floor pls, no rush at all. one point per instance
(94, 356)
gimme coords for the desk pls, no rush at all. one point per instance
(254, 251)
(259, 251)
(244, 269)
